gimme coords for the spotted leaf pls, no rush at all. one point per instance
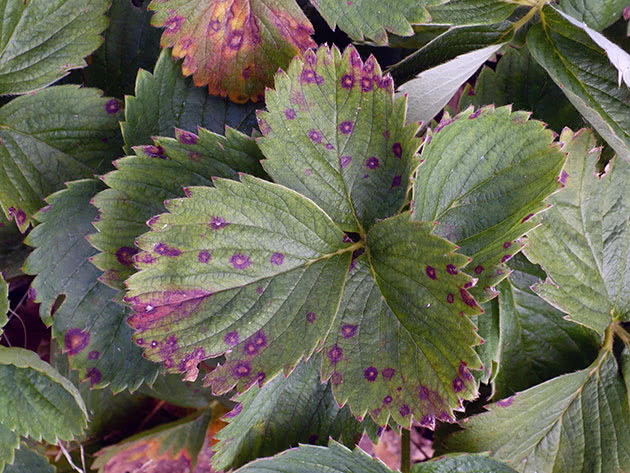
(233, 46)
(339, 115)
(88, 324)
(42, 40)
(401, 345)
(584, 238)
(50, 137)
(484, 175)
(158, 172)
(239, 269)
(372, 19)
(36, 401)
(575, 422)
(283, 413)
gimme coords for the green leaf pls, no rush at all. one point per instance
(165, 100)
(88, 324)
(401, 344)
(598, 14)
(281, 414)
(583, 241)
(42, 40)
(240, 266)
(537, 344)
(13, 252)
(488, 326)
(520, 81)
(170, 447)
(373, 18)
(27, 460)
(9, 443)
(4, 302)
(471, 12)
(142, 183)
(452, 42)
(36, 400)
(432, 89)
(570, 56)
(53, 136)
(460, 463)
(577, 422)
(130, 43)
(233, 48)
(484, 175)
(308, 459)
(339, 116)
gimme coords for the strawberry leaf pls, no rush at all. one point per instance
(575, 422)
(88, 324)
(372, 19)
(27, 460)
(36, 400)
(471, 168)
(234, 47)
(9, 443)
(461, 463)
(281, 414)
(42, 40)
(584, 238)
(53, 136)
(598, 14)
(165, 168)
(4, 302)
(339, 115)
(471, 12)
(165, 101)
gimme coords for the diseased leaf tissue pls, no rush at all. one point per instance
(260, 249)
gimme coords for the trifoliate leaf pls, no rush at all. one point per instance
(239, 268)
(570, 56)
(484, 175)
(235, 46)
(537, 344)
(432, 89)
(142, 183)
(165, 101)
(173, 447)
(27, 460)
(308, 459)
(471, 12)
(36, 400)
(281, 414)
(339, 116)
(401, 344)
(461, 463)
(583, 241)
(9, 443)
(577, 422)
(4, 302)
(598, 14)
(42, 40)
(130, 43)
(53, 136)
(88, 324)
(520, 81)
(372, 19)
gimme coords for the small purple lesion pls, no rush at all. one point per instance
(386, 82)
(396, 181)
(336, 378)
(231, 338)
(563, 178)
(315, 136)
(372, 162)
(335, 354)
(347, 81)
(112, 106)
(397, 150)
(428, 421)
(18, 215)
(76, 340)
(370, 373)
(346, 127)
(217, 223)
(186, 137)
(309, 76)
(423, 393)
(507, 402)
(387, 400)
(234, 39)
(277, 259)
(476, 113)
(430, 270)
(451, 269)
(464, 372)
(310, 317)
(505, 258)
(344, 161)
(479, 269)
(240, 261)
(458, 384)
(204, 256)
(165, 250)
(125, 255)
(366, 84)
(507, 244)
(241, 369)
(348, 330)
(94, 375)
(154, 151)
(290, 114)
(404, 410)
(93, 355)
(173, 23)
(467, 298)
(388, 373)
(525, 219)
(450, 298)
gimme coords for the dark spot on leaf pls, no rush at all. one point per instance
(94, 376)
(112, 106)
(186, 137)
(366, 84)
(505, 258)
(216, 223)
(125, 255)
(241, 369)
(277, 259)
(173, 23)
(234, 412)
(240, 261)
(563, 177)
(423, 393)
(428, 421)
(479, 269)
(164, 250)
(260, 377)
(388, 373)
(310, 317)
(348, 330)
(231, 338)
(525, 219)
(372, 163)
(387, 400)
(396, 181)
(259, 290)
(404, 410)
(250, 348)
(344, 161)
(467, 298)
(329, 146)
(336, 378)
(309, 76)
(507, 244)
(451, 269)
(93, 355)
(204, 256)
(430, 270)
(463, 371)
(386, 82)
(476, 113)
(315, 136)
(247, 72)
(290, 114)
(507, 402)
(346, 127)
(347, 81)
(154, 344)
(18, 214)
(335, 354)
(76, 340)
(458, 384)
(397, 150)
(154, 151)
(450, 298)
(140, 341)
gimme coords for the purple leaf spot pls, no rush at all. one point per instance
(404, 410)
(154, 151)
(125, 255)
(231, 338)
(308, 172)
(112, 106)
(260, 377)
(344, 161)
(277, 259)
(423, 393)
(475, 114)
(396, 181)
(204, 256)
(505, 258)
(259, 290)
(241, 369)
(479, 269)
(260, 339)
(94, 375)
(154, 344)
(463, 371)
(397, 150)
(563, 177)
(348, 330)
(18, 214)
(467, 298)
(76, 340)
(347, 81)
(370, 373)
(309, 76)
(525, 219)
(187, 138)
(335, 354)
(430, 270)
(372, 163)
(140, 341)
(444, 417)
(315, 136)
(234, 412)
(240, 261)
(507, 244)
(216, 223)
(310, 317)
(346, 127)
(235, 39)
(93, 355)
(164, 250)
(507, 402)
(336, 378)
(329, 146)
(451, 269)
(458, 384)
(428, 421)
(450, 298)
(366, 84)
(388, 373)
(250, 348)
(174, 23)
(387, 400)
(289, 113)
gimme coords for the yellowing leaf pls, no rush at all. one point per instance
(233, 46)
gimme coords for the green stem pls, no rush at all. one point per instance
(405, 454)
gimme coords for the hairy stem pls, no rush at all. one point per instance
(405, 453)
